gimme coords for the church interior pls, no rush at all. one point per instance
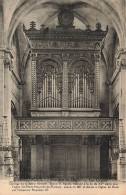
(62, 89)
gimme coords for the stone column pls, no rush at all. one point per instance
(97, 81)
(33, 157)
(46, 156)
(5, 114)
(7, 92)
(84, 173)
(121, 165)
(65, 58)
(40, 156)
(33, 79)
(97, 157)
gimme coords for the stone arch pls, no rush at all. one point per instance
(28, 6)
(55, 59)
(76, 59)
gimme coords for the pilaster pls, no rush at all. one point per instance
(33, 75)
(65, 58)
(97, 80)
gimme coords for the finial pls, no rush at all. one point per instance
(32, 25)
(98, 26)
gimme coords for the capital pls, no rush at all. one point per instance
(8, 63)
(65, 57)
(97, 57)
(85, 140)
(97, 140)
(34, 56)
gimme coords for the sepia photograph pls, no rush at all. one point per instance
(62, 97)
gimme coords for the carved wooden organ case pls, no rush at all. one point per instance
(65, 66)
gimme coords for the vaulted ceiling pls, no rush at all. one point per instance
(107, 12)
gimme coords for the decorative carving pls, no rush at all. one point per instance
(8, 60)
(96, 87)
(8, 63)
(92, 125)
(115, 141)
(46, 140)
(49, 44)
(52, 125)
(97, 57)
(65, 57)
(65, 125)
(34, 56)
(32, 25)
(25, 125)
(67, 33)
(33, 83)
(65, 17)
(83, 125)
(32, 139)
(85, 140)
(97, 140)
(105, 125)
(39, 125)
(98, 26)
(26, 139)
(78, 124)
(97, 45)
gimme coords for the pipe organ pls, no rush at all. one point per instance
(48, 86)
(65, 104)
(81, 85)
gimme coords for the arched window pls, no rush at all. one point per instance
(49, 85)
(81, 85)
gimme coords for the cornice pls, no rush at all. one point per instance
(65, 34)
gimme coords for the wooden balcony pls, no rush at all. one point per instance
(67, 126)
